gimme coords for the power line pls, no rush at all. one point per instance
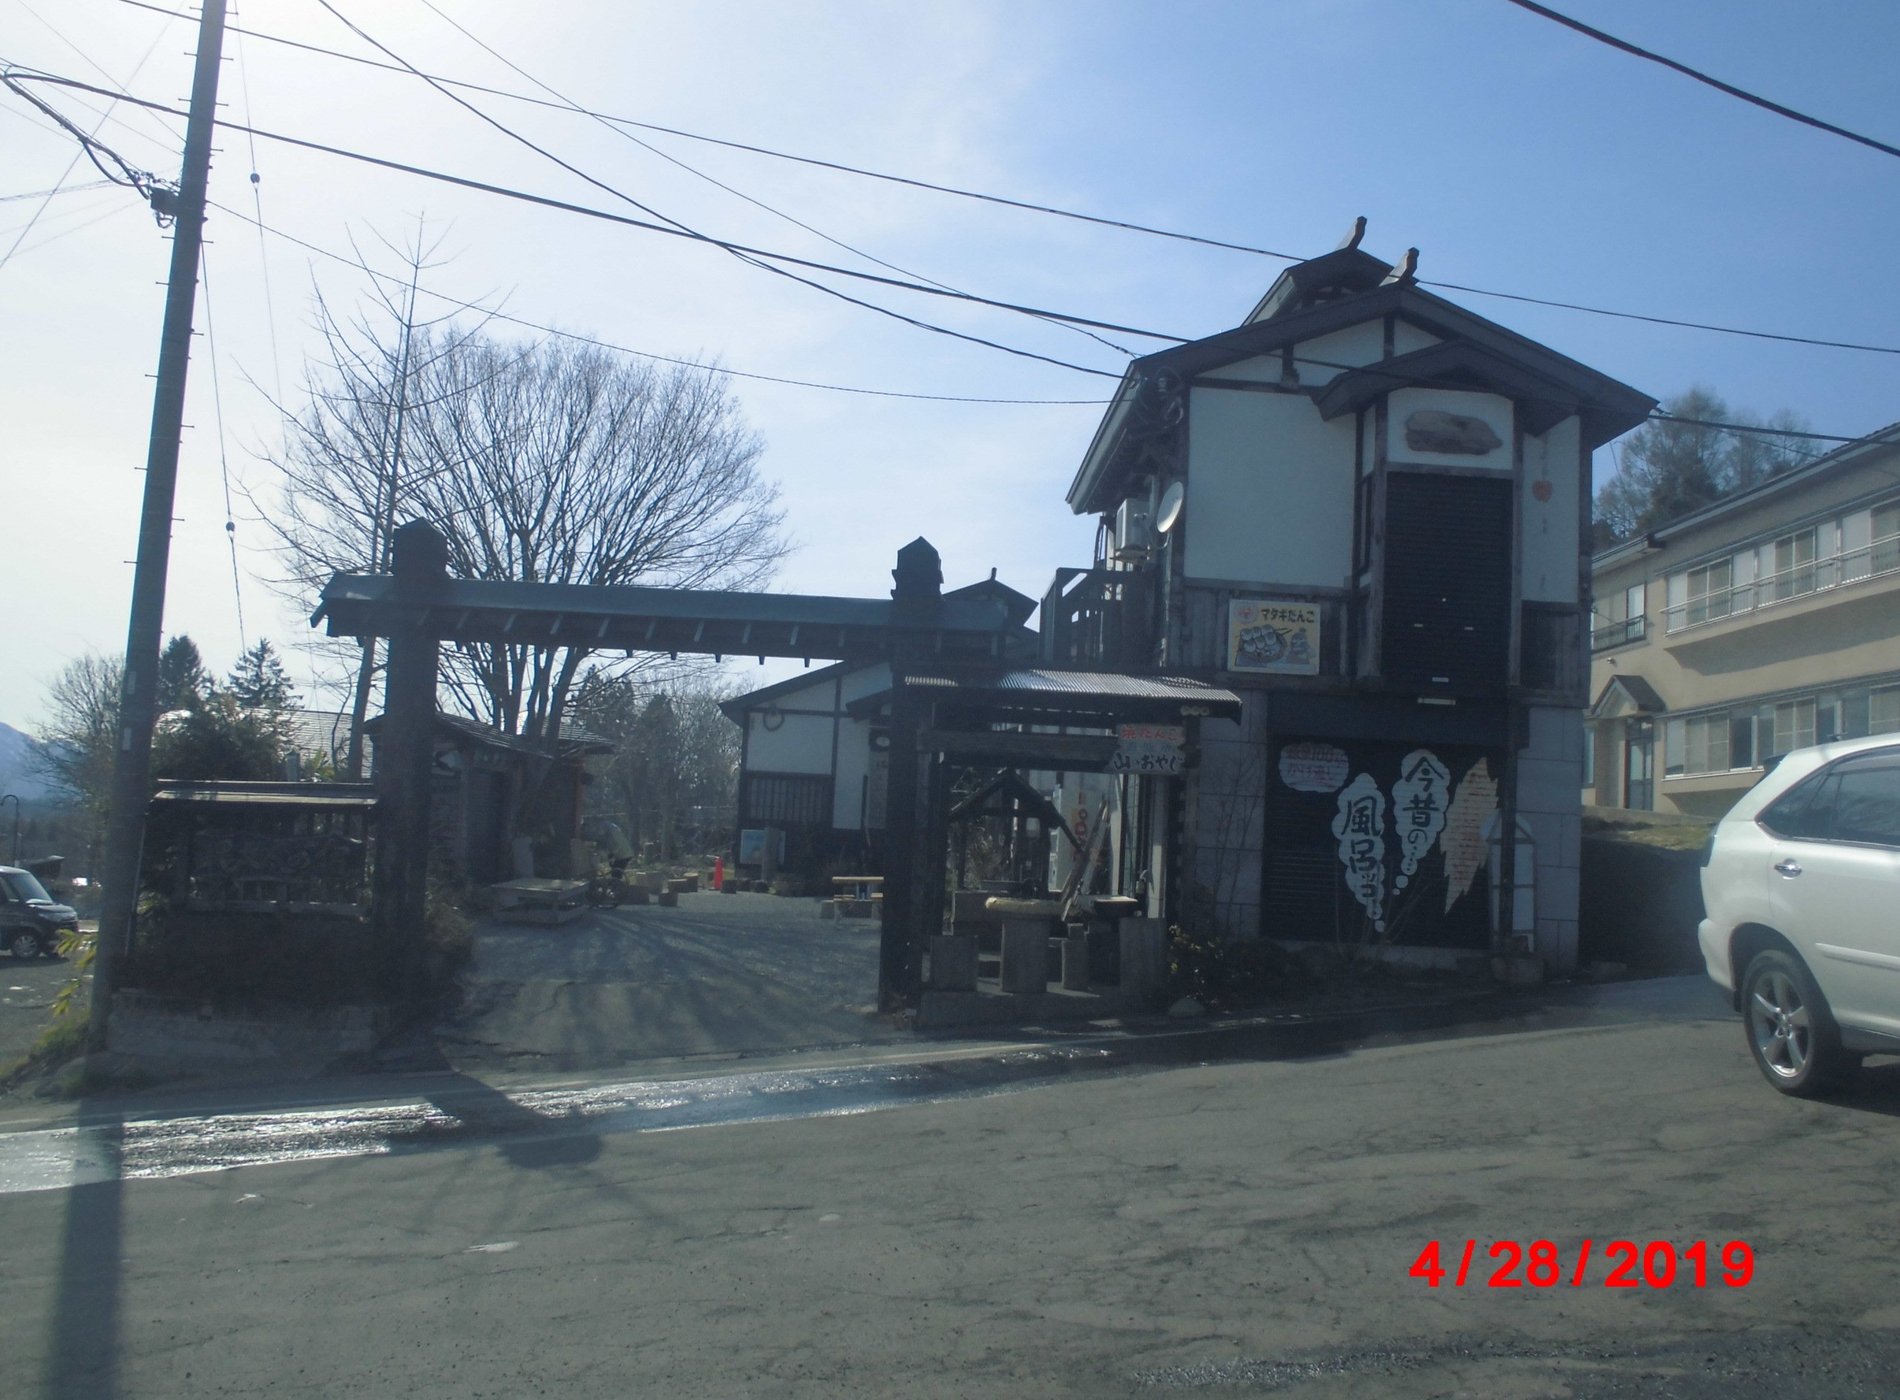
(1048, 209)
(536, 326)
(620, 130)
(257, 202)
(224, 461)
(567, 206)
(1701, 77)
(57, 189)
(749, 256)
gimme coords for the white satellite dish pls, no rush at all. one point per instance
(1168, 513)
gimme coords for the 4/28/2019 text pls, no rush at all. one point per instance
(1626, 1264)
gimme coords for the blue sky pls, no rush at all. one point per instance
(1516, 156)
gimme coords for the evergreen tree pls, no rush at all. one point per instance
(183, 682)
(259, 681)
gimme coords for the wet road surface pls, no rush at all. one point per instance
(460, 1111)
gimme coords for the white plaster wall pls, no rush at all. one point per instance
(871, 680)
(1552, 526)
(854, 762)
(1407, 337)
(1269, 490)
(1549, 797)
(1494, 409)
(1262, 369)
(1355, 345)
(802, 744)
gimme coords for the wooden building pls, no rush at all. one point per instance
(1366, 511)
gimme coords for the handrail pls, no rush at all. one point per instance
(1871, 561)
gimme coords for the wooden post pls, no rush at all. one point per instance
(916, 600)
(406, 760)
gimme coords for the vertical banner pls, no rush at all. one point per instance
(1359, 827)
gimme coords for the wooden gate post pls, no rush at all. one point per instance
(406, 760)
(916, 600)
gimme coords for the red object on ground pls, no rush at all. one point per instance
(719, 872)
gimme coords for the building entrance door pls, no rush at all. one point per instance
(1639, 766)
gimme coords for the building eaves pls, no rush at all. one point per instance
(1609, 407)
(735, 707)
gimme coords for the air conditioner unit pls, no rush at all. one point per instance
(1134, 528)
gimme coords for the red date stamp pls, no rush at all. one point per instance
(1624, 1264)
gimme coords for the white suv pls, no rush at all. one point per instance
(1801, 882)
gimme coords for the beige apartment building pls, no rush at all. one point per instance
(1760, 624)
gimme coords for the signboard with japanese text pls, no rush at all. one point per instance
(1273, 636)
(1154, 749)
(1379, 840)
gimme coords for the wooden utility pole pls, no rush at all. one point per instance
(132, 756)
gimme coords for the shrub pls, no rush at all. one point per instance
(1224, 975)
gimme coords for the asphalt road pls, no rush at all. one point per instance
(1238, 1227)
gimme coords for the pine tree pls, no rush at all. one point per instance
(183, 682)
(259, 681)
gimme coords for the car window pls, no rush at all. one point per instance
(1801, 812)
(1866, 804)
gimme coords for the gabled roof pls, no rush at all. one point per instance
(1627, 695)
(736, 708)
(1543, 400)
(1608, 407)
(573, 741)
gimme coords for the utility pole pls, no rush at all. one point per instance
(132, 758)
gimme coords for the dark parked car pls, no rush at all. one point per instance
(30, 920)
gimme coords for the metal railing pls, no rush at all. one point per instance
(1614, 634)
(1876, 560)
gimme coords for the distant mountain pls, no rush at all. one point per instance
(20, 772)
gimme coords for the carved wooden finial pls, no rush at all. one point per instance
(1351, 240)
(1405, 272)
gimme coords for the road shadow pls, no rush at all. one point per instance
(523, 1135)
(83, 1351)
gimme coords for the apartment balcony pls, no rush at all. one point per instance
(1622, 632)
(1856, 578)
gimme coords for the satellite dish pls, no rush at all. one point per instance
(1168, 513)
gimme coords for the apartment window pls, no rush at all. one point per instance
(1792, 727)
(1741, 739)
(1697, 745)
(1883, 710)
(1709, 592)
(1794, 565)
(1886, 537)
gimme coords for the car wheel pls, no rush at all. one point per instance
(23, 944)
(1791, 1032)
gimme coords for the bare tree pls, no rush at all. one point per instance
(1667, 469)
(541, 462)
(342, 462)
(673, 751)
(76, 743)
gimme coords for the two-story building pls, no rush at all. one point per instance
(1359, 520)
(1762, 623)
(1364, 510)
